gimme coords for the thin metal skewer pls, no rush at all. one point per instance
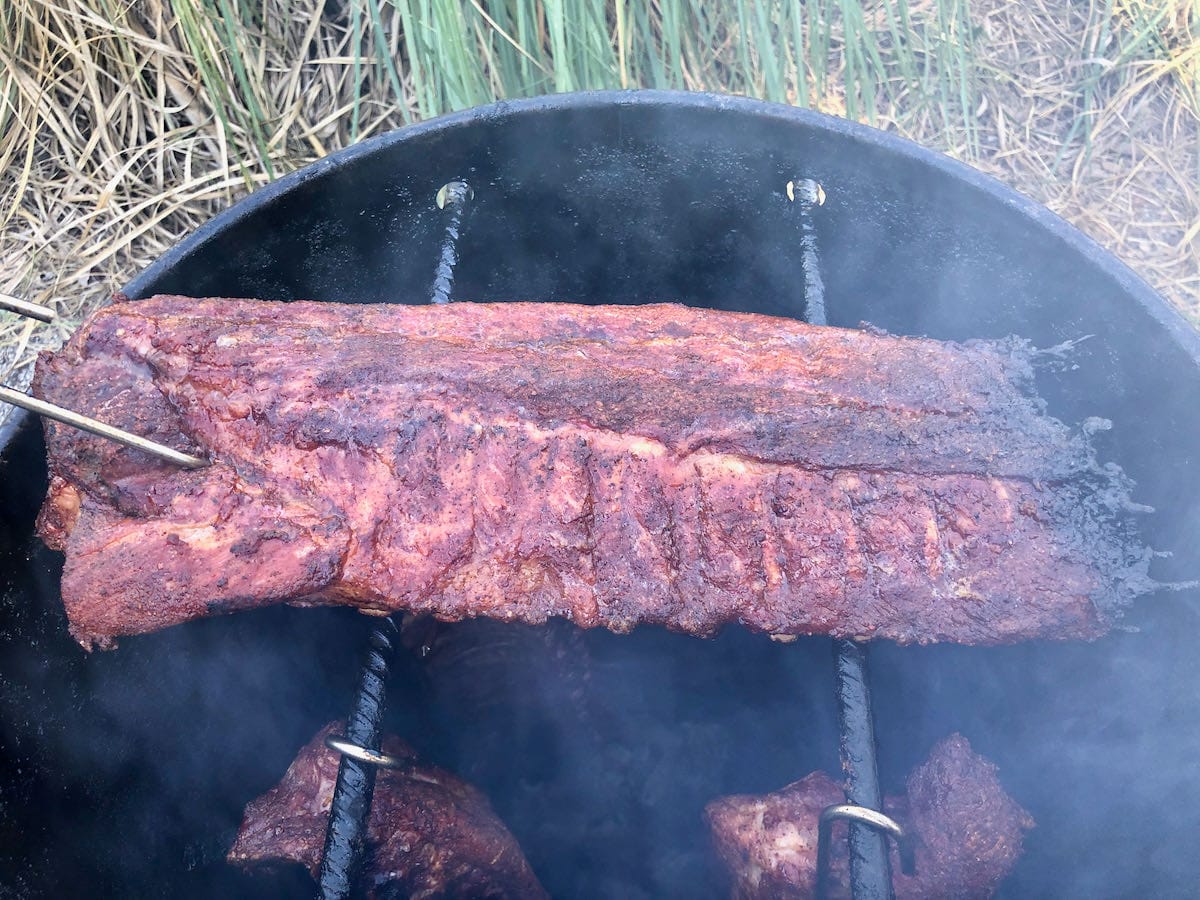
(87, 423)
(869, 817)
(870, 866)
(25, 308)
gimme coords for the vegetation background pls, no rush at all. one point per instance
(126, 123)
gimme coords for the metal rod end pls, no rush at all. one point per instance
(101, 429)
(454, 192)
(807, 190)
(25, 308)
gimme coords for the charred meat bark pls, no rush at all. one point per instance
(967, 832)
(430, 834)
(611, 465)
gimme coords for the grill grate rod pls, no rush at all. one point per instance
(345, 836)
(453, 199)
(870, 868)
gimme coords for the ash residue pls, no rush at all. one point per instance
(1096, 507)
(1096, 512)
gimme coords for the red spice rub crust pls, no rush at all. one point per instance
(612, 465)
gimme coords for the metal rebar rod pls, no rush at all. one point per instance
(346, 835)
(453, 198)
(808, 195)
(870, 868)
(25, 308)
(94, 426)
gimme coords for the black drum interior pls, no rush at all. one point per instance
(125, 773)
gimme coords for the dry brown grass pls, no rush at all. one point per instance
(118, 137)
(1119, 159)
(124, 125)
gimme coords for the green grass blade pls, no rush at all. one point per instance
(385, 58)
(355, 70)
(257, 124)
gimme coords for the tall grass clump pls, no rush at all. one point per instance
(1128, 47)
(846, 56)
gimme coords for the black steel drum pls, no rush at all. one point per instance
(125, 773)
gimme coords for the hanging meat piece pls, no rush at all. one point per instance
(429, 835)
(611, 465)
(966, 832)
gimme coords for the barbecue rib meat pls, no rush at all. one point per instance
(430, 834)
(966, 832)
(613, 465)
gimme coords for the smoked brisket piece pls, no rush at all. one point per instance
(612, 465)
(430, 834)
(966, 832)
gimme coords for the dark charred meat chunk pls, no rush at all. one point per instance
(966, 830)
(611, 465)
(430, 834)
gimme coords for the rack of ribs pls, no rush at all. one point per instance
(611, 465)
(966, 831)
